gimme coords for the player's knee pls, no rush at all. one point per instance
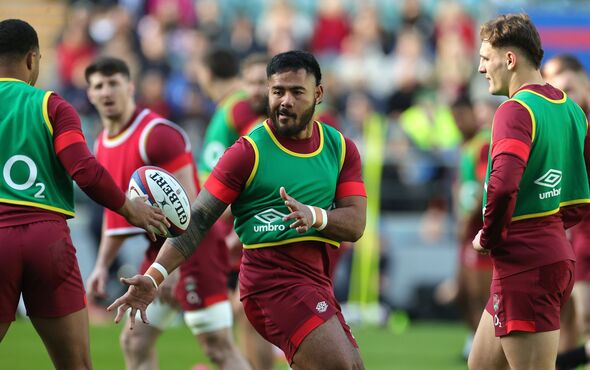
(217, 346)
(133, 345)
(474, 362)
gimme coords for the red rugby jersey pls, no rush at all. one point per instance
(530, 243)
(148, 139)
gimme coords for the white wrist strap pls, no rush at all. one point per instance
(152, 279)
(313, 215)
(160, 268)
(324, 220)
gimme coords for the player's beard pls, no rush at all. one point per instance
(300, 121)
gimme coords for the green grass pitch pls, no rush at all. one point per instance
(423, 346)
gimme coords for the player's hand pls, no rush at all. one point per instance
(168, 287)
(149, 218)
(140, 294)
(477, 244)
(96, 283)
(299, 212)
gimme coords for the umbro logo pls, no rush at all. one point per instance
(268, 218)
(550, 179)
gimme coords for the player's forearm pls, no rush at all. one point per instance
(347, 221)
(91, 177)
(502, 190)
(107, 250)
(169, 257)
(204, 212)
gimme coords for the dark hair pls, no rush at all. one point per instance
(515, 30)
(255, 58)
(107, 66)
(17, 38)
(568, 62)
(463, 100)
(294, 60)
(223, 63)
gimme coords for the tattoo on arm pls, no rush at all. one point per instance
(205, 210)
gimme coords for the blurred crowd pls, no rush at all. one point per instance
(404, 62)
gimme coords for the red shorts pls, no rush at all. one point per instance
(286, 316)
(203, 277)
(468, 257)
(531, 300)
(287, 292)
(39, 260)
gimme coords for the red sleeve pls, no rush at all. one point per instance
(350, 182)
(503, 184)
(511, 141)
(91, 176)
(67, 129)
(166, 147)
(512, 130)
(232, 171)
(243, 117)
(73, 153)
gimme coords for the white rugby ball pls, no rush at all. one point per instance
(163, 191)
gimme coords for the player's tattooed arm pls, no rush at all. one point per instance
(205, 210)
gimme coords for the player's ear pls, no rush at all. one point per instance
(510, 60)
(30, 59)
(319, 94)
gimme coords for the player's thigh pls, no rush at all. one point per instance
(330, 338)
(66, 339)
(486, 352)
(51, 282)
(569, 330)
(531, 351)
(581, 295)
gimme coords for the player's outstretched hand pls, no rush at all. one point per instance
(140, 294)
(299, 212)
(149, 218)
(477, 244)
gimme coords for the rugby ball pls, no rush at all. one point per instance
(165, 192)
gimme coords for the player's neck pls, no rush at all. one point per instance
(523, 78)
(8, 70)
(222, 89)
(114, 126)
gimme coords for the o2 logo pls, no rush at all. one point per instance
(32, 167)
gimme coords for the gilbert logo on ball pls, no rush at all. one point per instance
(165, 192)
